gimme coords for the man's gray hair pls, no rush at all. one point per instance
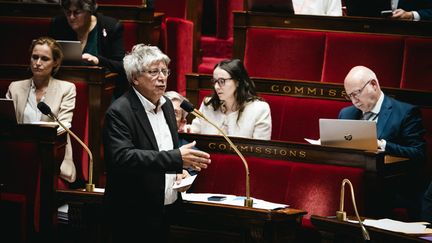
(172, 95)
(141, 57)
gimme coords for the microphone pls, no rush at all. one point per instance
(189, 107)
(341, 214)
(46, 110)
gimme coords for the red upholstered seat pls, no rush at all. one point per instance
(177, 8)
(417, 68)
(20, 33)
(180, 50)
(287, 110)
(383, 54)
(316, 188)
(80, 123)
(288, 54)
(225, 17)
(312, 187)
(130, 34)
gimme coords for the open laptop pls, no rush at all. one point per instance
(357, 134)
(368, 8)
(7, 111)
(71, 51)
(285, 6)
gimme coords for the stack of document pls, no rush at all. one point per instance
(397, 226)
(231, 200)
(62, 213)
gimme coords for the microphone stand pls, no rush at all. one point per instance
(89, 186)
(341, 214)
(248, 202)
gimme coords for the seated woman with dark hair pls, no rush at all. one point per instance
(45, 60)
(234, 105)
(101, 37)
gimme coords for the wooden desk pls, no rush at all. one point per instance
(50, 149)
(100, 89)
(350, 232)
(379, 175)
(200, 222)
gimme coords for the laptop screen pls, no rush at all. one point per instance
(367, 8)
(7, 111)
(71, 50)
(357, 134)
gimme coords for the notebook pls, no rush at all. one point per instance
(357, 134)
(7, 111)
(71, 51)
(285, 6)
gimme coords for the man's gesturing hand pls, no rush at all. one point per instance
(193, 158)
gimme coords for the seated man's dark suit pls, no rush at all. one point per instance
(423, 7)
(135, 190)
(400, 124)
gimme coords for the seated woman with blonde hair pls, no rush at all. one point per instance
(234, 105)
(45, 60)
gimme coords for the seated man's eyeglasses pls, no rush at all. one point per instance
(220, 81)
(356, 94)
(156, 72)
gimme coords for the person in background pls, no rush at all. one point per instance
(399, 130)
(414, 10)
(180, 114)
(46, 57)
(141, 152)
(318, 7)
(101, 37)
(234, 105)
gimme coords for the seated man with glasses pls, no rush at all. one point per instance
(399, 125)
(234, 105)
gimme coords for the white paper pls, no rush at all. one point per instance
(397, 226)
(231, 200)
(313, 141)
(185, 182)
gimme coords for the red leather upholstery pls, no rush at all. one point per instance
(20, 32)
(383, 54)
(312, 187)
(284, 54)
(180, 50)
(417, 68)
(130, 34)
(177, 8)
(286, 110)
(80, 128)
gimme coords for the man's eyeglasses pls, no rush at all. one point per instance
(356, 94)
(156, 72)
(220, 81)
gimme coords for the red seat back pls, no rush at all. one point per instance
(417, 68)
(80, 122)
(180, 50)
(20, 31)
(177, 8)
(383, 54)
(292, 54)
